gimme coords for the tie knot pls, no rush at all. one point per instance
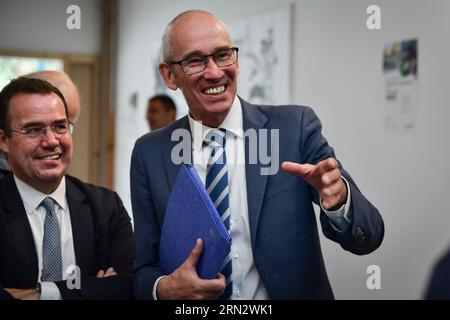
(49, 205)
(216, 138)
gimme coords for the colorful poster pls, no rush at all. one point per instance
(400, 66)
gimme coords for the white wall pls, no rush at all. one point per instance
(338, 71)
(40, 25)
(405, 175)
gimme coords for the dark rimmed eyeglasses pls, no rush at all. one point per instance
(35, 132)
(197, 63)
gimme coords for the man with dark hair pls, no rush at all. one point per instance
(60, 238)
(275, 251)
(161, 111)
(70, 92)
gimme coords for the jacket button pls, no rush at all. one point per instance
(360, 235)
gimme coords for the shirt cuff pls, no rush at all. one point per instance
(155, 286)
(341, 218)
(49, 291)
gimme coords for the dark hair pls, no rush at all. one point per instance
(23, 85)
(166, 101)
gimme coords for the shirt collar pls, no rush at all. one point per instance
(232, 123)
(32, 198)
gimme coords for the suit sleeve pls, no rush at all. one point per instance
(146, 227)
(4, 295)
(367, 230)
(120, 255)
(122, 249)
(118, 287)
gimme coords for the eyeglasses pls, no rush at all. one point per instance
(34, 132)
(197, 63)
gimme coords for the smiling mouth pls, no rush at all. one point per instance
(215, 90)
(51, 157)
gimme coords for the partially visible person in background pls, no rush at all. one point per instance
(70, 92)
(439, 283)
(161, 111)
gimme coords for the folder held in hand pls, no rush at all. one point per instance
(190, 214)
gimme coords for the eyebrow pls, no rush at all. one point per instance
(200, 53)
(41, 124)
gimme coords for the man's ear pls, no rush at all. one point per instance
(4, 146)
(166, 73)
(172, 115)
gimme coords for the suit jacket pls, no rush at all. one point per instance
(284, 235)
(3, 173)
(102, 237)
(439, 285)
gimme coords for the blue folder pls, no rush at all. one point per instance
(190, 214)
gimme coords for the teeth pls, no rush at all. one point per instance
(215, 90)
(52, 157)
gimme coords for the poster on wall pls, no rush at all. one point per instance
(400, 70)
(263, 40)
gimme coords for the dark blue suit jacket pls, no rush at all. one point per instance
(284, 235)
(439, 285)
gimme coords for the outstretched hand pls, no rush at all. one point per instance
(325, 177)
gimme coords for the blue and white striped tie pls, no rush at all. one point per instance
(51, 245)
(217, 187)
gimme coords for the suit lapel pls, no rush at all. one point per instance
(82, 227)
(256, 183)
(20, 230)
(171, 168)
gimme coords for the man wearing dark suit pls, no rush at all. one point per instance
(275, 249)
(60, 238)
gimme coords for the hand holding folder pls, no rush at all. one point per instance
(190, 215)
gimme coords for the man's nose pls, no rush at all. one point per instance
(212, 70)
(49, 138)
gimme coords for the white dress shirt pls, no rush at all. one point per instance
(36, 213)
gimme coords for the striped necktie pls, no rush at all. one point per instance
(51, 245)
(217, 187)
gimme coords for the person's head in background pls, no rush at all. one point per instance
(35, 132)
(64, 84)
(161, 111)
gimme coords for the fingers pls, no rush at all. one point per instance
(331, 202)
(330, 178)
(184, 284)
(327, 164)
(214, 286)
(297, 169)
(196, 252)
(334, 195)
(108, 273)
